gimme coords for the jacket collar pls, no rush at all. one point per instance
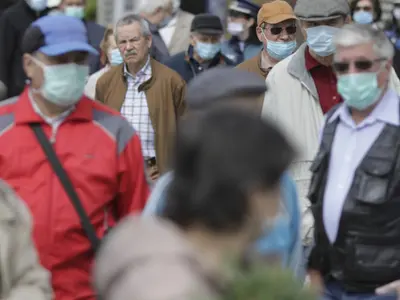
(297, 68)
(24, 112)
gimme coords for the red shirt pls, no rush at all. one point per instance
(102, 155)
(325, 82)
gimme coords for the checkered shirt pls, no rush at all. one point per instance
(136, 111)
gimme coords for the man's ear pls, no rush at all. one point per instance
(28, 65)
(259, 34)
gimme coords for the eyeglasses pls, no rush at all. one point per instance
(278, 30)
(364, 8)
(361, 65)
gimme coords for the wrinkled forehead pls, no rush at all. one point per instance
(356, 52)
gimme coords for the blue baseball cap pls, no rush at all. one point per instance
(56, 35)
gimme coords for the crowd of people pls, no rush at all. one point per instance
(179, 156)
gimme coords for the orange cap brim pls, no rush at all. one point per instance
(278, 19)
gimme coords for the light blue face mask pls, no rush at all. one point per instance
(319, 39)
(115, 57)
(207, 51)
(37, 5)
(359, 90)
(75, 11)
(363, 17)
(280, 50)
(63, 84)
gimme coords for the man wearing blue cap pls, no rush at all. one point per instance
(244, 43)
(76, 164)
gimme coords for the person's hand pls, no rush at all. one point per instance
(391, 288)
(315, 281)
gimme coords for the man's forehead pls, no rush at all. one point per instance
(355, 51)
(130, 30)
(206, 36)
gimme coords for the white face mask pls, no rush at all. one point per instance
(176, 4)
(235, 28)
(37, 5)
(396, 13)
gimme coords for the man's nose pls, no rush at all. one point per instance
(129, 46)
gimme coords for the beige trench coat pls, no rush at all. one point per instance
(21, 275)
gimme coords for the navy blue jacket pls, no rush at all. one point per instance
(185, 65)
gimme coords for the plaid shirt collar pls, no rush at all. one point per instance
(144, 73)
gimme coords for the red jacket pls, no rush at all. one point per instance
(102, 155)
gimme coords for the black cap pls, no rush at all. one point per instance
(221, 83)
(207, 24)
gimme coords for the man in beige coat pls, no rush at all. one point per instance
(21, 275)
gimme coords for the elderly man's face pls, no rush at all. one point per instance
(132, 44)
(360, 59)
(281, 32)
(205, 38)
(35, 72)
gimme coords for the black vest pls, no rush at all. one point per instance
(366, 253)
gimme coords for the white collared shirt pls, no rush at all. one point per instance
(168, 31)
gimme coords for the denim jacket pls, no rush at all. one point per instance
(284, 239)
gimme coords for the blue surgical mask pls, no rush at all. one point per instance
(115, 57)
(320, 39)
(280, 50)
(359, 90)
(37, 5)
(363, 17)
(207, 51)
(63, 84)
(75, 11)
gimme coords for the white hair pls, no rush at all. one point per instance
(131, 19)
(149, 6)
(358, 34)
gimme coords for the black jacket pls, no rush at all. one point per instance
(4, 4)
(185, 65)
(366, 252)
(13, 23)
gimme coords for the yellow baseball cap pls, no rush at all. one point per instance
(275, 12)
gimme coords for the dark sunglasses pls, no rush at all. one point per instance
(364, 8)
(361, 65)
(278, 30)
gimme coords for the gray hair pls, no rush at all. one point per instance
(150, 6)
(358, 34)
(131, 19)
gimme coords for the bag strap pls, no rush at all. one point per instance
(67, 184)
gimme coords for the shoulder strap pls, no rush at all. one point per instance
(67, 184)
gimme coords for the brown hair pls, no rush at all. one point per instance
(104, 44)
